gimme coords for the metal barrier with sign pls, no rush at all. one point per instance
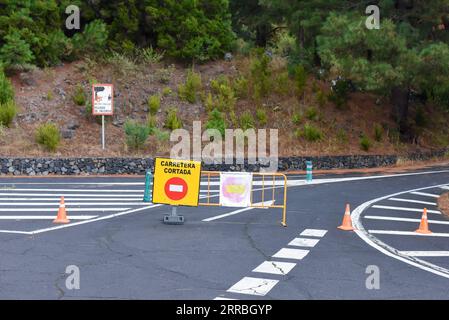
(268, 184)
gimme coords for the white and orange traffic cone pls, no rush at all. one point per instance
(347, 222)
(424, 224)
(62, 215)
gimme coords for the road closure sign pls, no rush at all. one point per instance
(176, 182)
(102, 99)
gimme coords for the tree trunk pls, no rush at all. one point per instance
(262, 32)
(400, 101)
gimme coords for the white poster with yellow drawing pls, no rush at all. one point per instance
(235, 189)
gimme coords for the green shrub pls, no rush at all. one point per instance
(162, 135)
(167, 91)
(216, 121)
(48, 136)
(282, 83)
(136, 134)
(311, 113)
(122, 64)
(49, 95)
(261, 116)
(92, 40)
(8, 111)
(172, 121)
(365, 143)
(241, 87)
(189, 90)
(300, 76)
(246, 121)
(311, 133)
(342, 136)
(151, 124)
(321, 98)
(340, 94)
(6, 89)
(378, 132)
(15, 52)
(154, 103)
(260, 74)
(297, 118)
(79, 96)
(149, 55)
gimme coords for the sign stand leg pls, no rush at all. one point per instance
(102, 132)
(173, 217)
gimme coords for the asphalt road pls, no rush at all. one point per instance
(124, 251)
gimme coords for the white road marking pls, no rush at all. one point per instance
(56, 209)
(408, 233)
(303, 242)
(445, 187)
(425, 253)
(253, 286)
(413, 201)
(80, 222)
(221, 298)
(425, 194)
(275, 267)
(75, 190)
(265, 203)
(386, 249)
(287, 253)
(404, 219)
(45, 217)
(56, 198)
(314, 233)
(72, 195)
(68, 203)
(405, 209)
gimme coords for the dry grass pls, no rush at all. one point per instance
(443, 203)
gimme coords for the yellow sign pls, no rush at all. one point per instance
(176, 182)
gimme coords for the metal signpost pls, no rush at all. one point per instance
(102, 105)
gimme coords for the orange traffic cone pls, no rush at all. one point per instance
(424, 224)
(347, 222)
(62, 216)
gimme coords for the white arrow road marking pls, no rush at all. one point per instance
(45, 217)
(425, 253)
(404, 219)
(265, 203)
(405, 209)
(413, 201)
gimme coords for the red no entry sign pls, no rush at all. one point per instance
(176, 188)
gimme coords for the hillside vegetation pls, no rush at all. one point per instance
(311, 69)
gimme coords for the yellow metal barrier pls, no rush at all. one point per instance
(265, 185)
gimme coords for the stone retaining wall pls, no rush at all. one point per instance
(78, 166)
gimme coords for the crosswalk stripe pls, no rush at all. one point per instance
(425, 253)
(405, 209)
(425, 194)
(404, 219)
(275, 267)
(413, 201)
(53, 209)
(253, 286)
(409, 233)
(287, 253)
(68, 203)
(44, 217)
